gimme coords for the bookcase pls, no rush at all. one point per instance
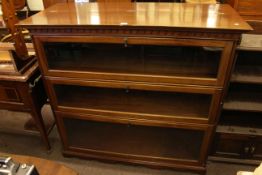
(129, 90)
(238, 137)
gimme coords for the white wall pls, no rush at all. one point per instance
(35, 5)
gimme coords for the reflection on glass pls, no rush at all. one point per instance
(142, 102)
(188, 61)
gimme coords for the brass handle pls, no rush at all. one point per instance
(127, 89)
(252, 149)
(125, 42)
(31, 85)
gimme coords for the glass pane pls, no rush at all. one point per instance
(134, 59)
(134, 139)
(135, 101)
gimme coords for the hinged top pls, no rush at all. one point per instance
(178, 15)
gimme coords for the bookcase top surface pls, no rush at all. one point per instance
(177, 15)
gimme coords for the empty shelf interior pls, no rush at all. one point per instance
(241, 118)
(134, 101)
(134, 59)
(248, 67)
(245, 97)
(134, 139)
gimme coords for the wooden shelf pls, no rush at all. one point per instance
(241, 119)
(134, 101)
(248, 67)
(244, 97)
(134, 140)
(250, 49)
(251, 42)
(248, 74)
(234, 160)
(239, 132)
(134, 59)
(229, 129)
(243, 106)
(238, 142)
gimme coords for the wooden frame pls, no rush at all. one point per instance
(219, 81)
(213, 107)
(127, 29)
(196, 165)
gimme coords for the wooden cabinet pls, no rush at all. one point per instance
(239, 132)
(25, 93)
(135, 92)
(248, 9)
(238, 146)
(21, 89)
(9, 94)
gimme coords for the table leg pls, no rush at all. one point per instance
(36, 104)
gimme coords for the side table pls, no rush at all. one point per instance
(26, 93)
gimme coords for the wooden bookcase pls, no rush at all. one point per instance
(239, 132)
(138, 92)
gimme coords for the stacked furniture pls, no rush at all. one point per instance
(136, 82)
(21, 86)
(238, 137)
(21, 89)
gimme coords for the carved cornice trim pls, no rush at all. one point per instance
(132, 31)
